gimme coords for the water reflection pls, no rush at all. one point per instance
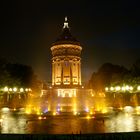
(12, 123)
(15, 122)
(138, 123)
(121, 123)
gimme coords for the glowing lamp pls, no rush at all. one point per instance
(54, 113)
(29, 89)
(6, 89)
(106, 89)
(39, 117)
(10, 89)
(138, 88)
(123, 88)
(26, 89)
(111, 88)
(88, 117)
(127, 87)
(14, 89)
(131, 88)
(117, 88)
(21, 89)
(75, 113)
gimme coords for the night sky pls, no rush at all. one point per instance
(107, 30)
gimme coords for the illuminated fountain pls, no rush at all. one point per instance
(66, 94)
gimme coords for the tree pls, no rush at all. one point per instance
(135, 69)
(18, 75)
(108, 74)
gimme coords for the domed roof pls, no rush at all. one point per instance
(66, 37)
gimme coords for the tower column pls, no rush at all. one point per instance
(52, 73)
(79, 73)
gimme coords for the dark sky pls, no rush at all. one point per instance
(107, 30)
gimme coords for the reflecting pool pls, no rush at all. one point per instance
(17, 122)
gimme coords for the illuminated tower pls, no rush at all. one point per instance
(66, 60)
(67, 93)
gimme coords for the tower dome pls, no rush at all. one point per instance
(66, 37)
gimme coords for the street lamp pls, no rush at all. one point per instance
(106, 89)
(131, 88)
(117, 88)
(127, 87)
(5, 89)
(21, 89)
(138, 88)
(111, 88)
(26, 89)
(10, 89)
(123, 88)
(14, 89)
(29, 89)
